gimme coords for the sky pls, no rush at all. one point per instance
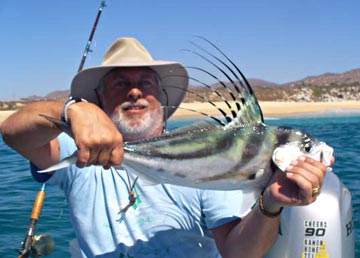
(42, 41)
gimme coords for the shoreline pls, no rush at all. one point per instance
(276, 109)
(4, 114)
(269, 108)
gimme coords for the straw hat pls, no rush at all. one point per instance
(128, 52)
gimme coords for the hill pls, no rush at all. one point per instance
(328, 79)
(325, 87)
(328, 87)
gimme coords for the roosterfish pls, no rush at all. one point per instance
(236, 152)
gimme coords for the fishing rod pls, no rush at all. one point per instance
(87, 47)
(43, 245)
(33, 245)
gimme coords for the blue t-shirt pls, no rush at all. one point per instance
(165, 220)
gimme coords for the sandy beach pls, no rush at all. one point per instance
(5, 114)
(270, 109)
(278, 109)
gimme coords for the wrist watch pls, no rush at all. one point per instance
(68, 102)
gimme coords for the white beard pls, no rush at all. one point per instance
(133, 129)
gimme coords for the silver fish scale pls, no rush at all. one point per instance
(235, 153)
(196, 143)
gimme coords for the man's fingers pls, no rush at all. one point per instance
(83, 157)
(305, 187)
(116, 156)
(309, 175)
(102, 157)
(105, 157)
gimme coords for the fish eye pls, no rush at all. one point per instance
(307, 146)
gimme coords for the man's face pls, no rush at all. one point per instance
(130, 96)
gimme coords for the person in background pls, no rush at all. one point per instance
(113, 213)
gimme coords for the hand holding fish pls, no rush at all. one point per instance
(97, 138)
(296, 186)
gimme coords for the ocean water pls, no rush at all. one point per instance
(18, 189)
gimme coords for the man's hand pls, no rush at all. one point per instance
(98, 140)
(297, 186)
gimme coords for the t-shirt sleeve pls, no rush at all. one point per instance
(67, 147)
(221, 207)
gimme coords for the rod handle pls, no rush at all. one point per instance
(38, 204)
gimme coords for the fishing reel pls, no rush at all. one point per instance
(37, 246)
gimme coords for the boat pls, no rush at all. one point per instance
(323, 229)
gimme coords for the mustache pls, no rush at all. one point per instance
(140, 103)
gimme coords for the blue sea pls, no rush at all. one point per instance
(18, 189)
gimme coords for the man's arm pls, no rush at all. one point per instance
(253, 235)
(97, 138)
(33, 136)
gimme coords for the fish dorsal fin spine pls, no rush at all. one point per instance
(246, 108)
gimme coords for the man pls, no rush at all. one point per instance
(115, 215)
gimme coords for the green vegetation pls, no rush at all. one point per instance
(316, 92)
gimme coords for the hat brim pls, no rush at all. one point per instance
(174, 82)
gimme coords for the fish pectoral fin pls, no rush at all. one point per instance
(68, 161)
(65, 127)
